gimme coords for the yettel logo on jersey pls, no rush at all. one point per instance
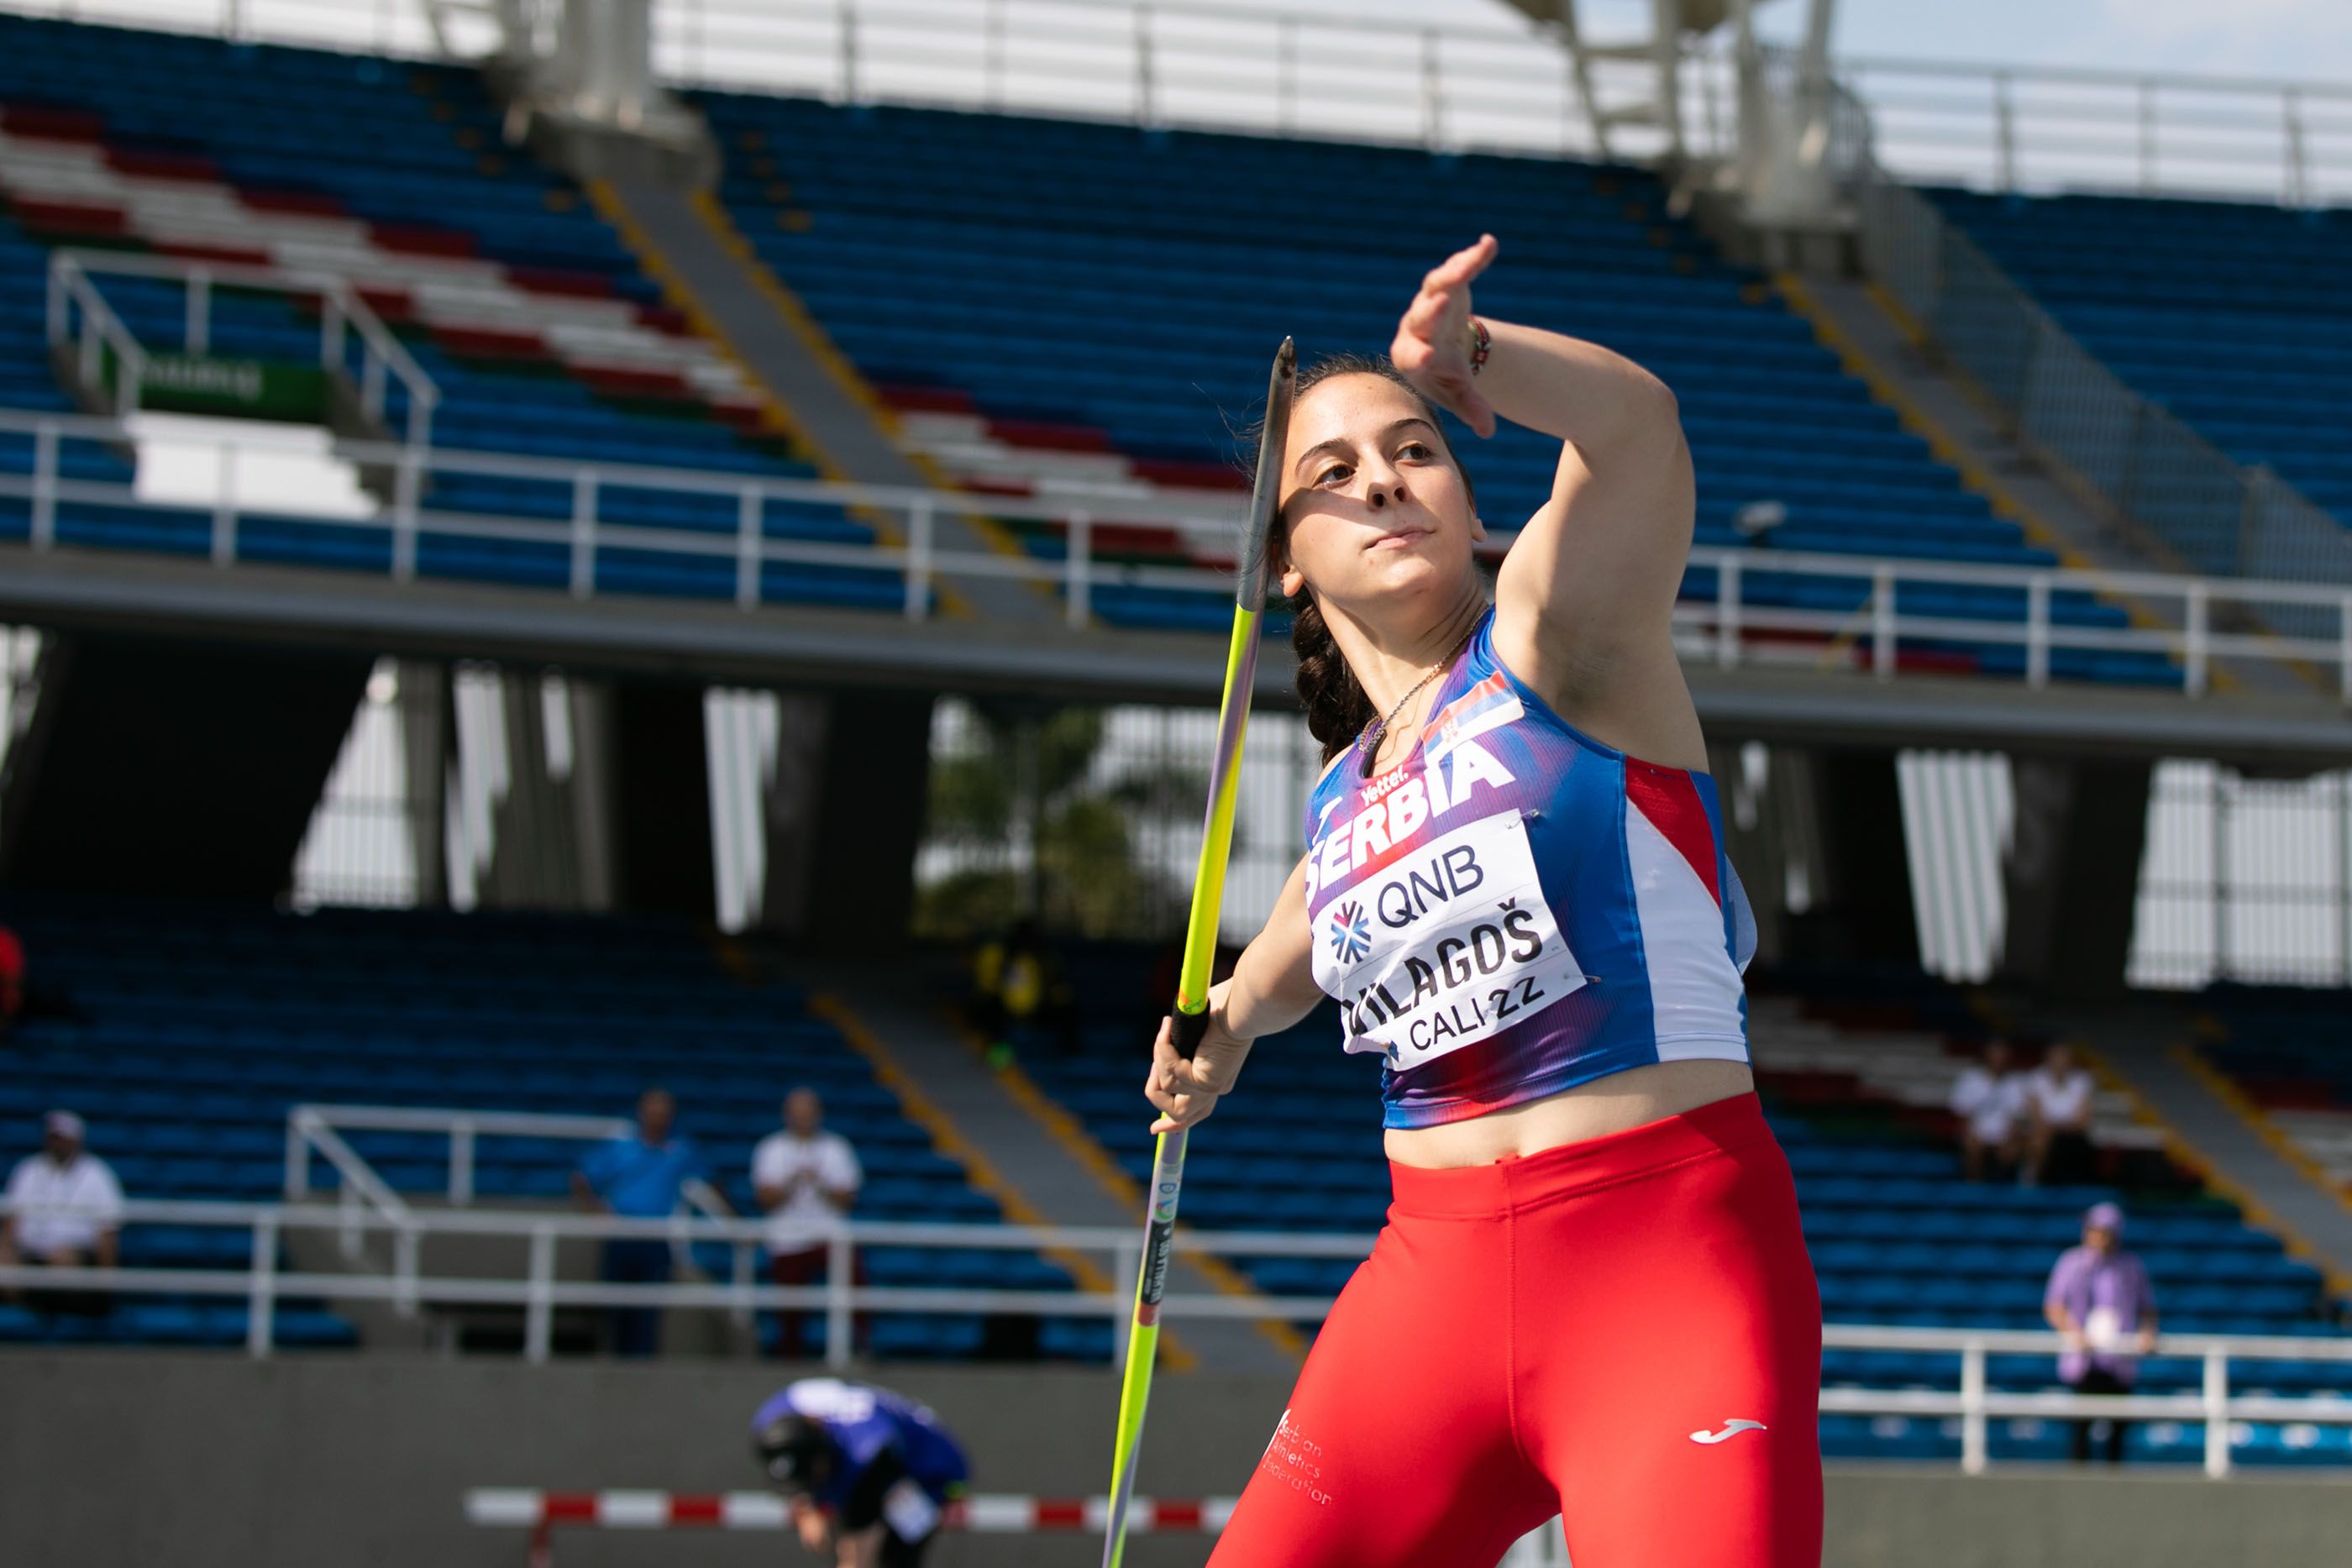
(1400, 805)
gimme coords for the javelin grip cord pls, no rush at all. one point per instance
(1190, 1030)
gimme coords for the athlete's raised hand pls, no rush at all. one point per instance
(1433, 339)
(1186, 1092)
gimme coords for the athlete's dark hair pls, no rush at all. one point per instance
(1336, 708)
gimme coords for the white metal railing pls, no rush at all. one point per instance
(344, 317)
(79, 315)
(1976, 1403)
(1216, 63)
(358, 1188)
(319, 1128)
(464, 1129)
(1718, 620)
(1332, 74)
(2028, 128)
(2151, 471)
(540, 1293)
(1326, 74)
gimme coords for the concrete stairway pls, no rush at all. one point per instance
(1963, 428)
(685, 240)
(2148, 1048)
(1043, 1164)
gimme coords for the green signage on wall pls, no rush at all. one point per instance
(241, 388)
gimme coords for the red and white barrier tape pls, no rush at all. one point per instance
(1004, 1514)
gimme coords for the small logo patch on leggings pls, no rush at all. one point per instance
(1732, 1427)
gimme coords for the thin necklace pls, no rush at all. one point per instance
(1368, 743)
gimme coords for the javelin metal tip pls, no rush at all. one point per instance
(1267, 492)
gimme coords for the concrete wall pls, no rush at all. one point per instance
(661, 799)
(361, 1461)
(214, 1462)
(2052, 1518)
(2071, 874)
(1861, 908)
(184, 769)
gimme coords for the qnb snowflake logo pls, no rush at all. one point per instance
(1351, 931)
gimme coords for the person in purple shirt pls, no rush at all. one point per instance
(2100, 1300)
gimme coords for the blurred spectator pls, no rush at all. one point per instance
(2100, 1300)
(1018, 991)
(2058, 1149)
(639, 1175)
(12, 980)
(806, 1178)
(1990, 1100)
(65, 1211)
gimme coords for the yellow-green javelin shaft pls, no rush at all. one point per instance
(1168, 1159)
(1217, 841)
(1191, 1018)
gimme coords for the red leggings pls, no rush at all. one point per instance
(1561, 1334)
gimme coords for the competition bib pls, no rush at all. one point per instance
(910, 1511)
(1445, 947)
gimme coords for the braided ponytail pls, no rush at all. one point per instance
(1336, 708)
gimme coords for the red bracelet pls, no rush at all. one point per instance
(1482, 344)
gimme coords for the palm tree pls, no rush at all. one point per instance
(1046, 825)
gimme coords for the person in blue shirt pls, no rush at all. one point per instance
(870, 1473)
(639, 1177)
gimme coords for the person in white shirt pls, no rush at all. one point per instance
(1990, 1100)
(2058, 1146)
(806, 1178)
(64, 1211)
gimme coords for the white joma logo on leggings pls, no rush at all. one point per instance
(1731, 1428)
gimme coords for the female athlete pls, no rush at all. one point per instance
(1591, 1296)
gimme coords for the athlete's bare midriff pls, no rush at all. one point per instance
(1594, 1110)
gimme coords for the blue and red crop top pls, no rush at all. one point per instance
(1516, 908)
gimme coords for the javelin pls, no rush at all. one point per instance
(1191, 1015)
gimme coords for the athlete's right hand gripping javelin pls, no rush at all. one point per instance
(1186, 1092)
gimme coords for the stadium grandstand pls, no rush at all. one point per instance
(569, 573)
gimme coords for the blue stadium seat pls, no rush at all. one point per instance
(2232, 315)
(407, 158)
(940, 248)
(194, 1031)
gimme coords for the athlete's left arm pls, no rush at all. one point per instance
(1588, 588)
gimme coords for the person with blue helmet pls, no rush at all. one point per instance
(869, 1473)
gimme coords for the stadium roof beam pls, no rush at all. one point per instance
(2276, 733)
